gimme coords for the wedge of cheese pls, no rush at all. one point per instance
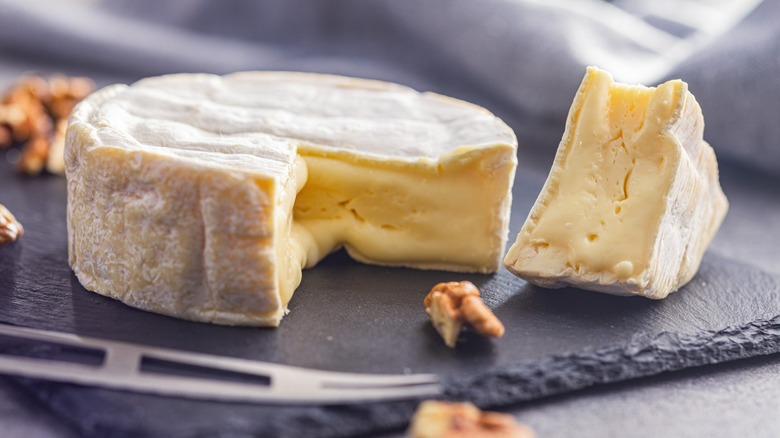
(633, 197)
(203, 197)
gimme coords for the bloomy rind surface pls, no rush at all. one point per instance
(125, 245)
(181, 188)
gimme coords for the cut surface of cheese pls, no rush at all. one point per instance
(633, 198)
(203, 197)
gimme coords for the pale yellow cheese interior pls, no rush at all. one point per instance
(392, 215)
(633, 197)
(606, 207)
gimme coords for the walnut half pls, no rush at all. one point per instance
(436, 419)
(34, 115)
(10, 228)
(452, 304)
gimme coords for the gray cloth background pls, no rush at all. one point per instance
(522, 59)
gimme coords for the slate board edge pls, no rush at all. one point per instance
(641, 357)
(502, 386)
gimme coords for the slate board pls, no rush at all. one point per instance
(350, 317)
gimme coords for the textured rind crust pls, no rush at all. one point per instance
(641, 356)
(153, 231)
(694, 208)
(177, 236)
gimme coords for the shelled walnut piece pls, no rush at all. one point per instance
(10, 228)
(436, 419)
(452, 304)
(34, 113)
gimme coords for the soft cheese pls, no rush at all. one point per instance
(633, 198)
(203, 197)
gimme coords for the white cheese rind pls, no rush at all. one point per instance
(633, 198)
(183, 190)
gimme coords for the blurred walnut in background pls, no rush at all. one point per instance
(10, 228)
(34, 115)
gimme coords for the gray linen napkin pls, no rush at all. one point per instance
(523, 59)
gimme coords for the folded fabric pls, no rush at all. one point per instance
(523, 59)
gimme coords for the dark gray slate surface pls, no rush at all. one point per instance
(352, 317)
(734, 399)
(731, 400)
